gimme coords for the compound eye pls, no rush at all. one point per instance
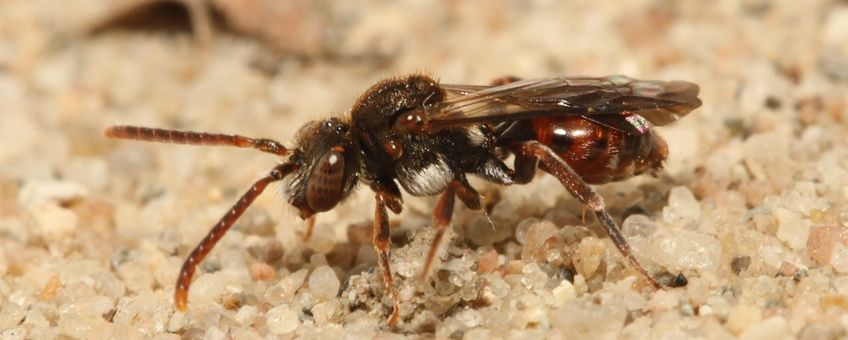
(326, 181)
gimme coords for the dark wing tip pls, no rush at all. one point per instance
(675, 99)
(682, 92)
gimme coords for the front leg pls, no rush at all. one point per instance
(382, 242)
(220, 229)
(310, 225)
(534, 151)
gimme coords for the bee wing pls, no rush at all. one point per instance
(616, 101)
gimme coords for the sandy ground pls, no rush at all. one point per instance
(752, 208)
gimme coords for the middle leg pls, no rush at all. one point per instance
(443, 213)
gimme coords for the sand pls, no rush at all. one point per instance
(752, 207)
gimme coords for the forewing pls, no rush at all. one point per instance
(616, 101)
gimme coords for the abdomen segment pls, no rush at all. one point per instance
(600, 154)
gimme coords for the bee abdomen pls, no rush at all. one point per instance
(598, 153)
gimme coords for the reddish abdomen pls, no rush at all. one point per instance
(597, 153)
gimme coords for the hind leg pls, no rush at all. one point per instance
(529, 153)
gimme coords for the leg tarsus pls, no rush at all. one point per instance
(382, 244)
(621, 243)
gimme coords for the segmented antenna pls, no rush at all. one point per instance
(194, 138)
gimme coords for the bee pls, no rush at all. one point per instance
(426, 137)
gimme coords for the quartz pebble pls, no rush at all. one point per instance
(469, 318)
(215, 333)
(772, 328)
(54, 222)
(522, 229)
(483, 231)
(742, 317)
(37, 193)
(562, 293)
(638, 225)
(586, 320)
(663, 300)
(792, 228)
(176, 322)
(537, 235)
(261, 271)
(590, 255)
(246, 315)
(839, 258)
(682, 207)
(686, 250)
(284, 290)
(281, 320)
(326, 311)
(324, 283)
(17, 333)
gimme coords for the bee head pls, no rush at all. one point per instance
(328, 163)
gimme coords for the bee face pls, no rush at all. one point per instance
(328, 164)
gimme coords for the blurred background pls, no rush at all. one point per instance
(266, 66)
(773, 77)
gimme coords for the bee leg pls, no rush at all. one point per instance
(382, 244)
(524, 168)
(467, 194)
(444, 212)
(310, 225)
(584, 193)
(205, 246)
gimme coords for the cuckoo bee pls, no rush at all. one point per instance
(414, 133)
